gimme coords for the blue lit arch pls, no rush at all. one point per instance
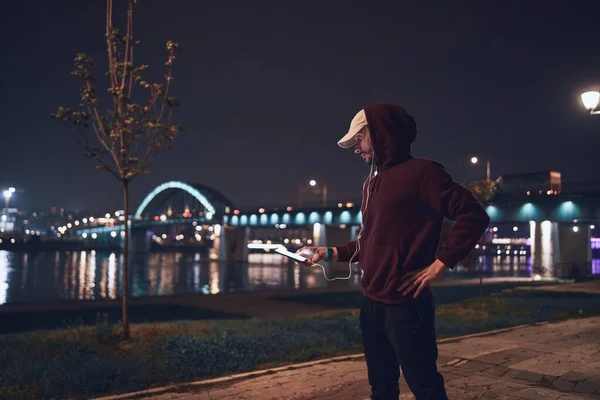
(174, 185)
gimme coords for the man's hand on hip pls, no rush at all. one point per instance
(422, 279)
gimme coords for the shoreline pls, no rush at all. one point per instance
(26, 317)
(27, 306)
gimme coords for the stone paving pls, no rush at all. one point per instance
(546, 362)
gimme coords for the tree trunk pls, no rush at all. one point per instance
(125, 314)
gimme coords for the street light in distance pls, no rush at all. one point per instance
(590, 101)
(7, 195)
(475, 160)
(315, 187)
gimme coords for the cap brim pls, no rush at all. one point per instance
(348, 140)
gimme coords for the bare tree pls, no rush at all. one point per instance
(125, 136)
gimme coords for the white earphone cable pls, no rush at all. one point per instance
(366, 183)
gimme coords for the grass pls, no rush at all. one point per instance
(84, 361)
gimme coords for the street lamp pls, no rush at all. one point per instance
(312, 183)
(590, 101)
(7, 194)
(475, 160)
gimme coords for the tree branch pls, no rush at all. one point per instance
(130, 36)
(98, 120)
(169, 77)
(88, 148)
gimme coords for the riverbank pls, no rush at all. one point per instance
(22, 317)
(88, 361)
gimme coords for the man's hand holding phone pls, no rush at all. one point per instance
(316, 254)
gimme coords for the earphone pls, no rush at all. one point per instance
(367, 183)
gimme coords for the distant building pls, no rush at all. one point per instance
(543, 182)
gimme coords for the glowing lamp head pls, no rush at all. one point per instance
(590, 100)
(312, 182)
(7, 194)
(474, 160)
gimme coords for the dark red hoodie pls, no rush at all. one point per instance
(408, 199)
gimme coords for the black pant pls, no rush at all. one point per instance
(401, 335)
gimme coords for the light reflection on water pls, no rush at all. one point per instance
(91, 276)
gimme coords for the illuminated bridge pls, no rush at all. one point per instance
(179, 213)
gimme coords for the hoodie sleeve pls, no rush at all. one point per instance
(346, 252)
(440, 192)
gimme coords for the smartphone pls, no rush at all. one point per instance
(263, 246)
(282, 250)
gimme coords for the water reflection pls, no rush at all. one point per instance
(4, 276)
(92, 276)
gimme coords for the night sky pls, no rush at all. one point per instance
(268, 87)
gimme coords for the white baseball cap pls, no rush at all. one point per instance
(358, 122)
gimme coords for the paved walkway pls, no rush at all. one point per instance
(545, 362)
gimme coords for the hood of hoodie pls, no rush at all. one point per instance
(392, 132)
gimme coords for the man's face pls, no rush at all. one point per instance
(363, 145)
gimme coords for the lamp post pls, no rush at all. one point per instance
(313, 184)
(590, 101)
(7, 195)
(475, 160)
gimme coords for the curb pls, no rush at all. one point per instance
(254, 374)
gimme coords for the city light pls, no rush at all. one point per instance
(312, 182)
(107, 215)
(575, 229)
(84, 235)
(475, 160)
(590, 101)
(94, 235)
(84, 220)
(113, 234)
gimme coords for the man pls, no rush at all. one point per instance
(403, 207)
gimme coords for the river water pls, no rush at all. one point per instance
(69, 275)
